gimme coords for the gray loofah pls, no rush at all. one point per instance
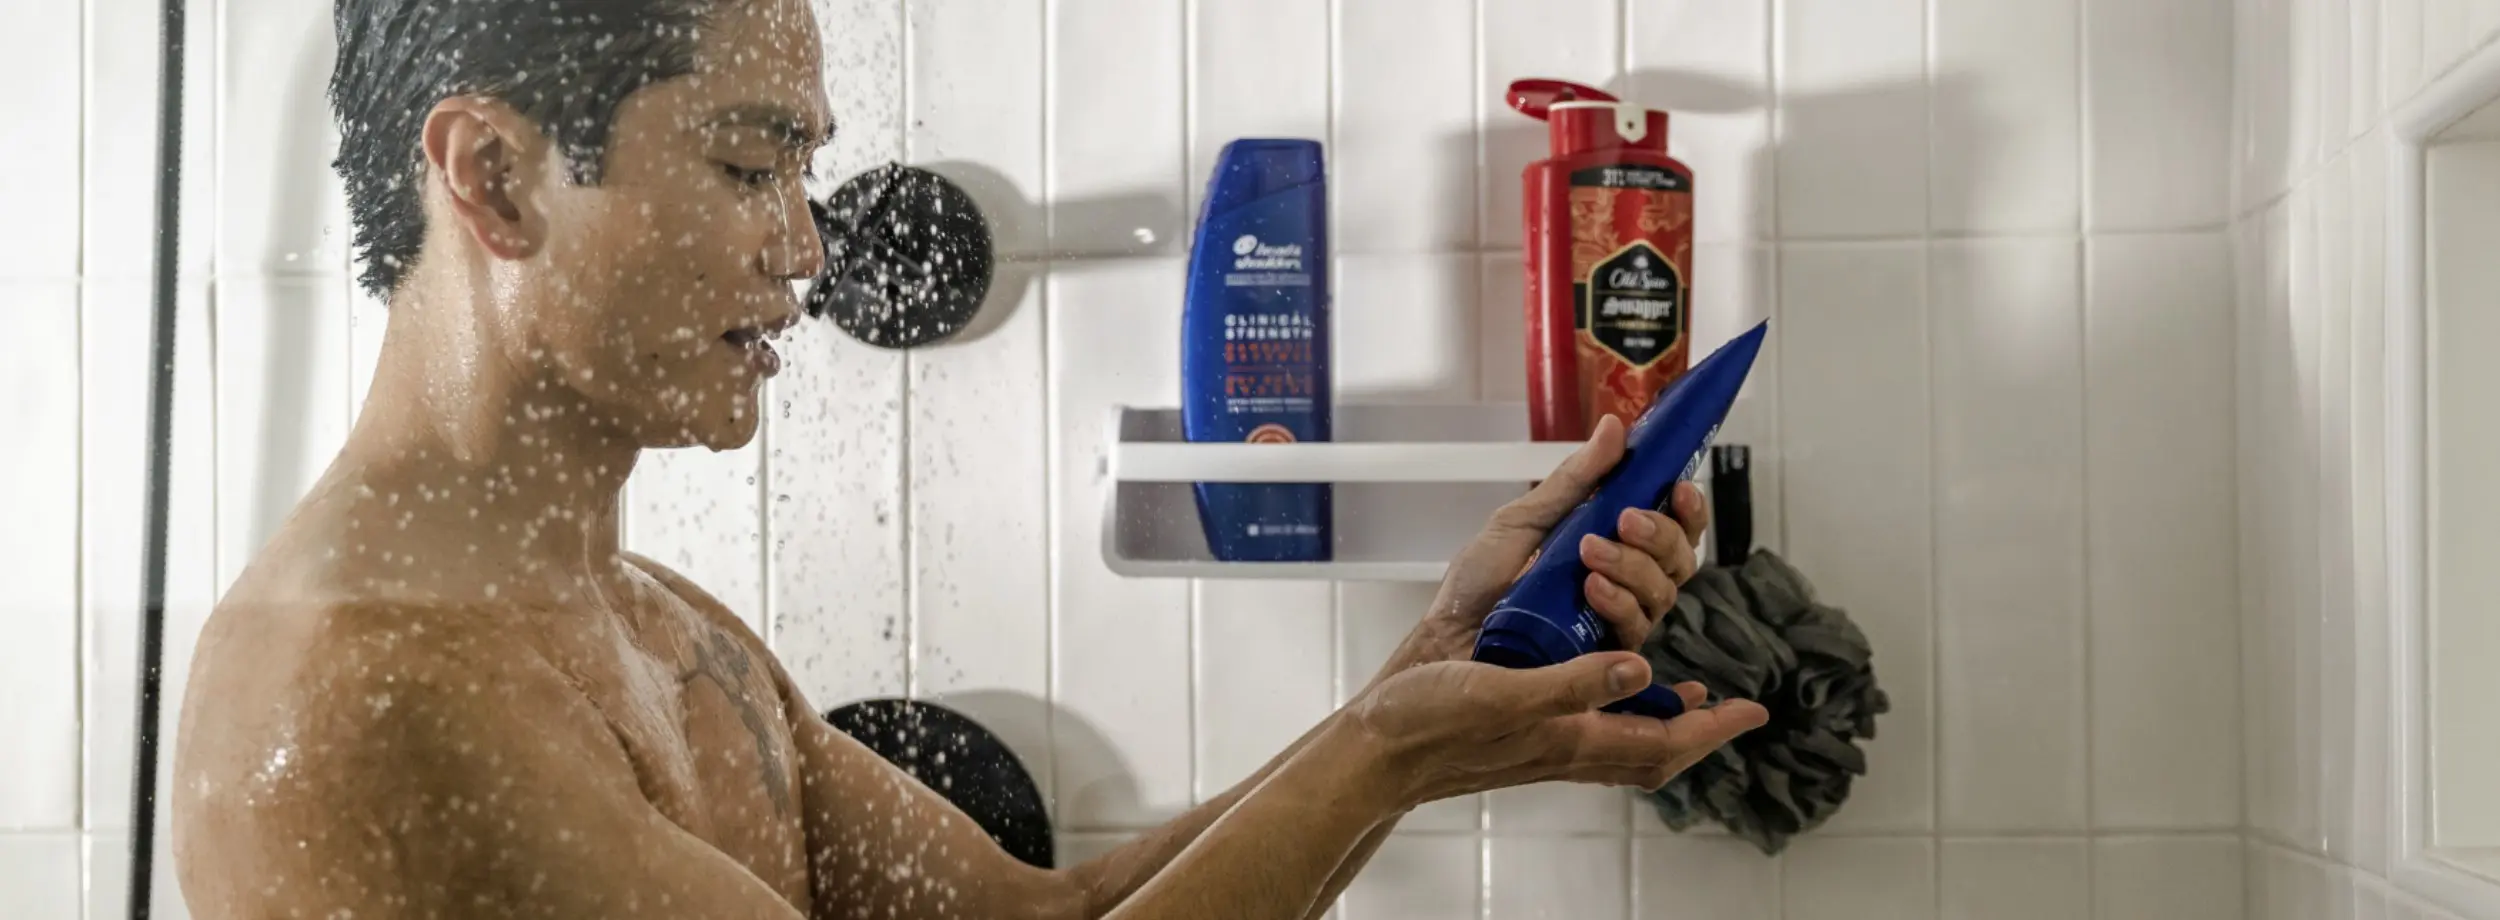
(1757, 633)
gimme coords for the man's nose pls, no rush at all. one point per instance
(796, 251)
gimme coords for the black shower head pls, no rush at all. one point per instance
(907, 257)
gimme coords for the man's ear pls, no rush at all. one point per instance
(487, 155)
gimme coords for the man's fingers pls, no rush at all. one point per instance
(1500, 553)
(1601, 740)
(1660, 538)
(1538, 511)
(1693, 694)
(1649, 579)
(1624, 612)
(1576, 686)
(1691, 512)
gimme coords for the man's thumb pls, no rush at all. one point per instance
(1591, 681)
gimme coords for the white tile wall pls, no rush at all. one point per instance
(113, 476)
(2007, 116)
(1709, 63)
(2166, 878)
(1990, 879)
(2400, 50)
(2158, 474)
(1963, 215)
(1263, 675)
(1409, 879)
(2009, 600)
(1854, 416)
(1257, 68)
(1703, 878)
(279, 204)
(1130, 766)
(980, 527)
(39, 663)
(2368, 805)
(1403, 156)
(1860, 878)
(1116, 145)
(1578, 40)
(1557, 877)
(2157, 87)
(39, 62)
(40, 873)
(1852, 158)
(829, 471)
(984, 134)
(282, 387)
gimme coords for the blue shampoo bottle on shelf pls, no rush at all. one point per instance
(1254, 343)
(1544, 619)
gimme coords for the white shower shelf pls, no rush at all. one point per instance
(1412, 483)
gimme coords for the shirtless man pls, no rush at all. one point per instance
(443, 690)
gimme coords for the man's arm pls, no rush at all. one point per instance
(886, 846)
(1113, 877)
(1094, 889)
(863, 813)
(853, 799)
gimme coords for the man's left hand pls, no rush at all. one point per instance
(1632, 580)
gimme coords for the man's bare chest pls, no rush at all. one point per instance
(703, 724)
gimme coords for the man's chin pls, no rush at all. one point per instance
(725, 432)
(725, 429)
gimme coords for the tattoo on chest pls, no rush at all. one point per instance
(727, 666)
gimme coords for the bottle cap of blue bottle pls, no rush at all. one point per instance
(1544, 619)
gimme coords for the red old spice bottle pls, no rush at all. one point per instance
(1610, 257)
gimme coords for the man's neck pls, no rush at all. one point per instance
(462, 435)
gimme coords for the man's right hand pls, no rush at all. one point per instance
(1453, 728)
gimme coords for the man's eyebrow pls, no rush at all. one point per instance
(787, 125)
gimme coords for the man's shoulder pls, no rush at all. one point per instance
(383, 728)
(709, 608)
(350, 668)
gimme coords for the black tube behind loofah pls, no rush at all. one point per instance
(1755, 631)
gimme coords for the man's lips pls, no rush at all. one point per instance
(755, 341)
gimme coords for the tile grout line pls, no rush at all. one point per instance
(904, 519)
(1192, 628)
(1774, 41)
(1050, 436)
(1332, 12)
(1623, 816)
(80, 575)
(1479, 71)
(1475, 111)
(2084, 219)
(1754, 242)
(1927, 328)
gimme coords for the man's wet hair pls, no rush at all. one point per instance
(565, 64)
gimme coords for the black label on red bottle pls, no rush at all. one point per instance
(1633, 303)
(1655, 178)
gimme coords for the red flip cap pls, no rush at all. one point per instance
(1534, 95)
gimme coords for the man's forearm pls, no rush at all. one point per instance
(1353, 864)
(1113, 877)
(1281, 849)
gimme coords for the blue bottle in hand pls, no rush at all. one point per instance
(1545, 619)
